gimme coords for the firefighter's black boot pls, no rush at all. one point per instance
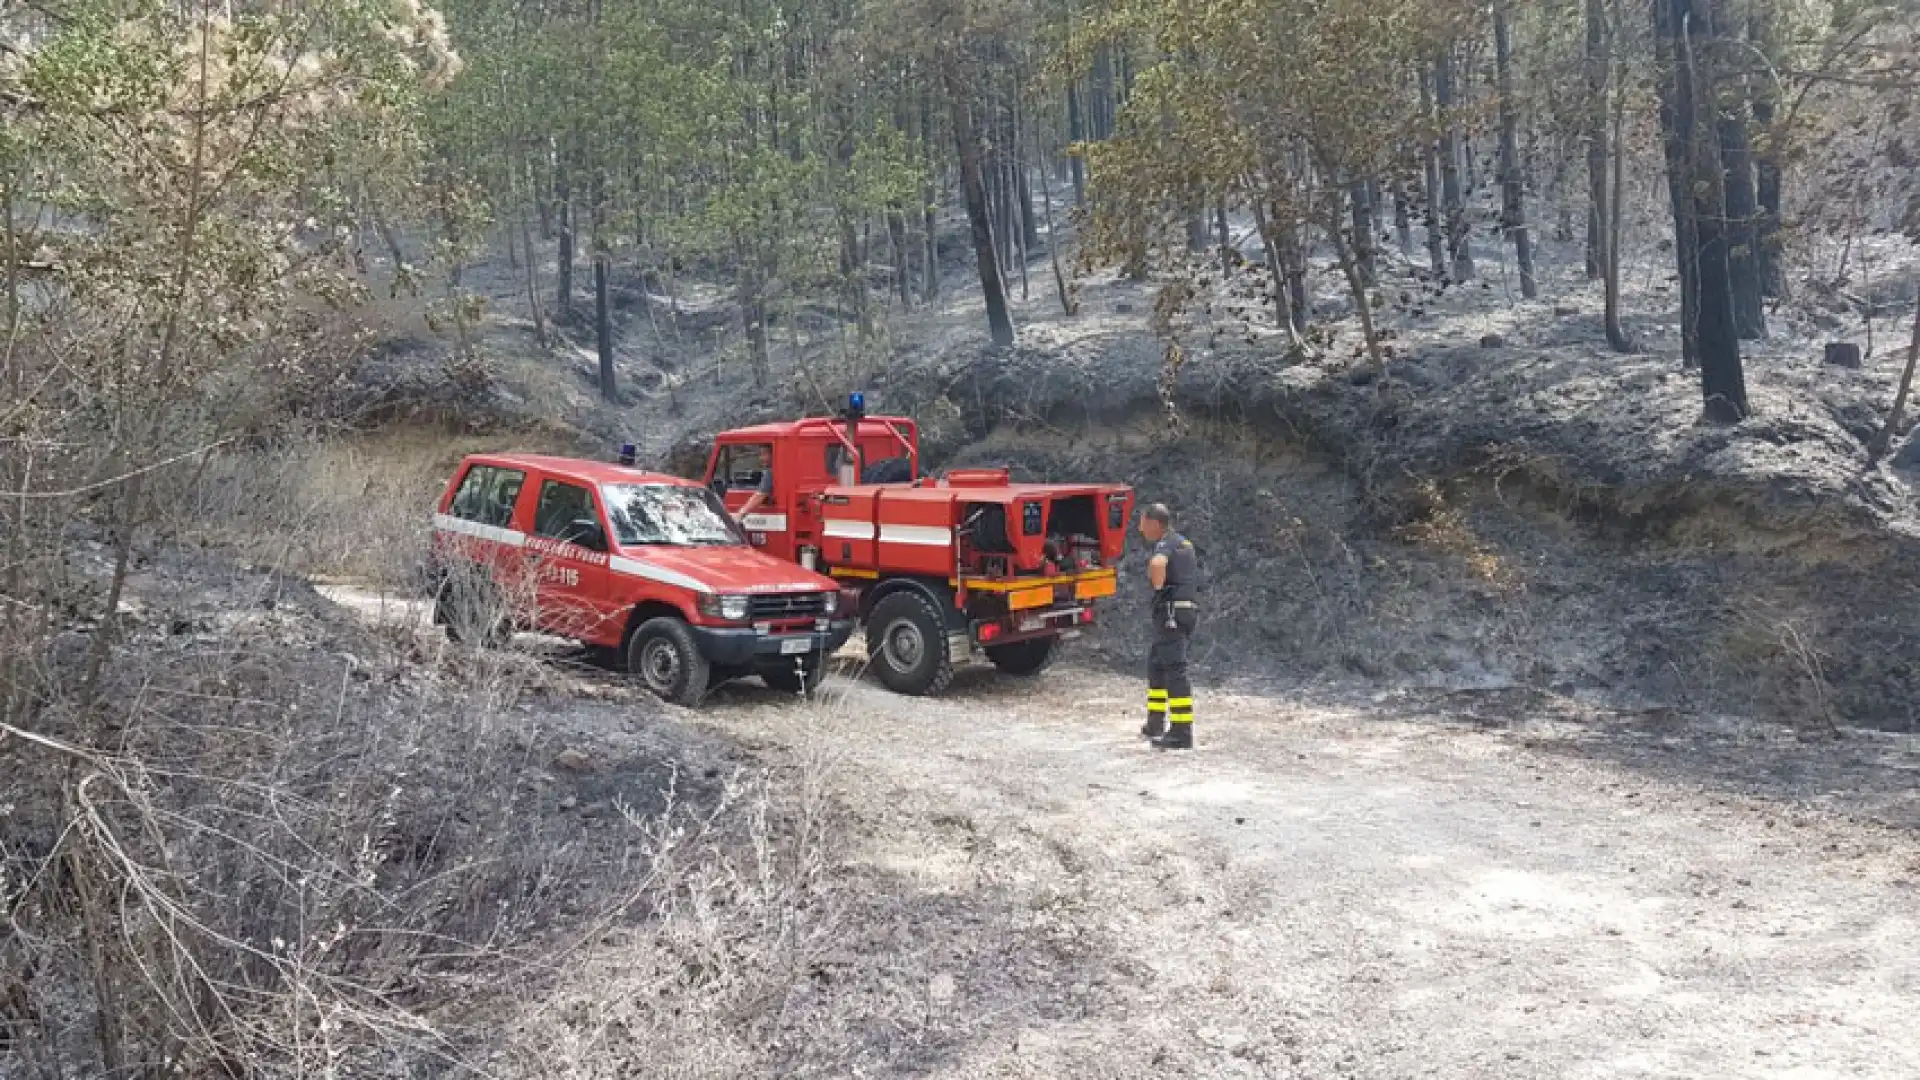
(1178, 737)
(1179, 734)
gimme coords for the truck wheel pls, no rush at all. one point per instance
(907, 644)
(663, 653)
(1024, 658)
(787, 681)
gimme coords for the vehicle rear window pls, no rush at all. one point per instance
(487, 494)
(562, 504)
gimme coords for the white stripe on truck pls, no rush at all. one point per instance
(922, 535)
(847, 529)
(509, 537)
(620, 564)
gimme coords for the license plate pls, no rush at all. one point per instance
(795, 646)
(1032, 623)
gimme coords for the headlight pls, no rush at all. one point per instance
(730, 608)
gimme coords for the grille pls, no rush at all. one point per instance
(792, 605)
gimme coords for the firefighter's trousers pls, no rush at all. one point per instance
(1169, 690)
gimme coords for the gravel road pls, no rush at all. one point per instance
(1354, 885)
(1371, 891)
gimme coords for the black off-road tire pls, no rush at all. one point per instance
(787, 681)
(907, 645)
(462, 607)
(663, 654)
(1025, 658)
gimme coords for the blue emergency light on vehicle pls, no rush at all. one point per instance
(856, 404)
(626, 453)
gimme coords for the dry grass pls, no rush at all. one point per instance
(273, 842)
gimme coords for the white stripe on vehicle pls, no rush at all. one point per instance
(923, 535)
(848, 529)
(620, 564)
(765, 522)
(509, 537)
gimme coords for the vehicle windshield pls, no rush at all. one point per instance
(668, 514)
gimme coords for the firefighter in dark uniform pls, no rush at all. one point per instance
(1173, 570)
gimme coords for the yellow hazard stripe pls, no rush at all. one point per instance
(1181, 703)
(1180, 718)
(1156, 695)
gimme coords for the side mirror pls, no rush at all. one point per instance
(587, 533)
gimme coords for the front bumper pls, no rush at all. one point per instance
(740, 646)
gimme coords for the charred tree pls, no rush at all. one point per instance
(603, 329)
(1596, 138)
(1766, 158)
(1402, 218)
(1617, 338)
(563, 196)
(1749, 311)
(1361, 248)
(1513, 210)
(1076, 133)
(1459, 246)
(1685, 31)
(1436, 235)
(973, 189)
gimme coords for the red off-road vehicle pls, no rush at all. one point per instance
(649, 565)
(940, 567)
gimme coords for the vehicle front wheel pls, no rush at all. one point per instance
(907, 644)
(1024, 658)
(668, 661)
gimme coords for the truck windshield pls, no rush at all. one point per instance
(668, 514)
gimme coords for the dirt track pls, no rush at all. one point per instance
(1385, 888)
(1323, 892)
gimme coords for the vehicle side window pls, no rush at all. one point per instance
(487, 494)
(561, 505)
(744, 465)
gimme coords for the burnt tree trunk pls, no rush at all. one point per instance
(1617, 338)
(1749, 311)
(929, 199)
(973, 188)
(1766, 160)
(1459, 246)
(563, 195)
(1513, 210)
(1103, 110)
(1076, 133)
(1686, 32)
(603, 329)
(1402, 218)
(1596, 136)
(1436, 235)
(1361, 251)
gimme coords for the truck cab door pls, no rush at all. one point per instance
(566, 562)
(743, 468)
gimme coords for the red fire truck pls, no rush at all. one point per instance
(940, 568)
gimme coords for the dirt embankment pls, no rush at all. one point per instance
(1509, 504)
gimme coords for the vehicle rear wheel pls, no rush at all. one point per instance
(788, 681)
(1024, 658)
(663, 653)
(907, 644)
